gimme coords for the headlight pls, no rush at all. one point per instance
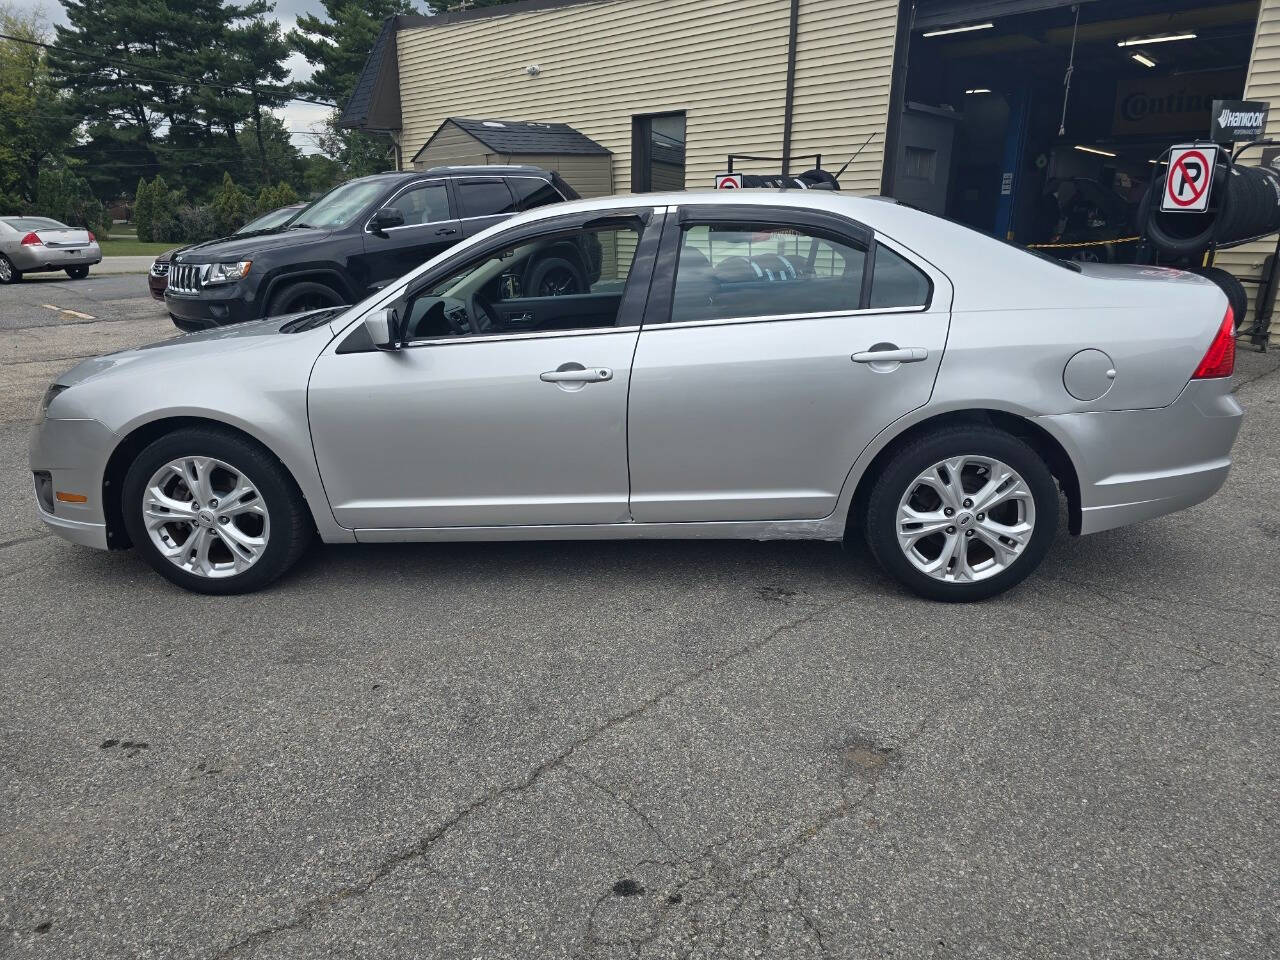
(53, 391)
(226, 272)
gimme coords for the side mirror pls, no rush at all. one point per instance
(383, 327)
(385, 219)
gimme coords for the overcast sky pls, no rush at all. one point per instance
(297, 116)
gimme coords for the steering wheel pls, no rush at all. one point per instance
(486, 317)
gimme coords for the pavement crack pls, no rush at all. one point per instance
(308, 912)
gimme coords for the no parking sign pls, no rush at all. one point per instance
(1186, 186)
(728, 181)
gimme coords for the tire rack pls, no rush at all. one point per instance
(1264, 301)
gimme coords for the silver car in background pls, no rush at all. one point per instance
(38, 244)
(794, 365)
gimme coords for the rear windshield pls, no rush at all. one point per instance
(35, 223)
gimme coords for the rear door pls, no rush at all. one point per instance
(755, 383)
(429, 228)
(482, 202)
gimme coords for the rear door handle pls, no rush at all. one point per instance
(905, 355)
(446, 231)
(589, 375)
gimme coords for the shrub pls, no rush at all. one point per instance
(272, 198)
(144, 212)
(231, 207)
(197, 224)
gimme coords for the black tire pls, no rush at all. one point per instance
(1237, 296)
(1183, 234)
(77, 273)
(291, 528)
(303, 295)
(917, 456)
(555, 277)
(12, 274)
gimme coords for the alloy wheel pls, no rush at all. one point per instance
(965, 519)
(206, 517)
(6, 270)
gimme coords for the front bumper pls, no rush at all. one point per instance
(39, 258)
(214, 307)
(157, 285)
(74, 453)
(1137, 464)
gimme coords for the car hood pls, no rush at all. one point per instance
(207, 346)
(169, 254)
(246, 247)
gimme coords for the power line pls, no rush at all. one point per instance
(175, 78)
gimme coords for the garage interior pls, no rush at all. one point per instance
(984, 138)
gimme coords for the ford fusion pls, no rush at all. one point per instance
(750, 365)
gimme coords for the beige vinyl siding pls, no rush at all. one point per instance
(452, 145)
(590, 174)
(1262, 83)
(723, 62)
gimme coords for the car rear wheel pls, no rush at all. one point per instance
(214, 512)
(962, 514)
(8, 272)
(77, 273)
(298, 297)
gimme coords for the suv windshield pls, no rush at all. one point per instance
(269, 221)
(340, 205)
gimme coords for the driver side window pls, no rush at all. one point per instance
(569, 280)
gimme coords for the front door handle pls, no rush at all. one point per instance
(446, 231)
(577, 374)
(904, 355)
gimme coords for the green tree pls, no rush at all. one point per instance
(231, 207)
(273, 198)
(36, 123)
(143, 211)
(270, 140)
(257, 54)
(62, 195)
(338, 43)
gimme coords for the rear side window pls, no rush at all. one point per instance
(896, 283)
(530, 193)
(484, 198)
(739, 271)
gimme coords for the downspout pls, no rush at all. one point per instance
(789, 108)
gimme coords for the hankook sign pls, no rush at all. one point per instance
(1236, 120)
(1177, 104)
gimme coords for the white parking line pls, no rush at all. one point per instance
(73, 313)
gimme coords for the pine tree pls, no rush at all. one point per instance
(143, 211)
(338, 44)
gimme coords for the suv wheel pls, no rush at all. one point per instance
(306, 295)
(555, 277)
(963, 514)
(214, 512)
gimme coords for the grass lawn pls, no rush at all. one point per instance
(131, 247)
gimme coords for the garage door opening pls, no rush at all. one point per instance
(984, 138)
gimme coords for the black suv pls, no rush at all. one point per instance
(360, 236)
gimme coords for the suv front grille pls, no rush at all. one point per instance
(160, 268)
(187, 277)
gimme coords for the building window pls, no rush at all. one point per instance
(657, 152)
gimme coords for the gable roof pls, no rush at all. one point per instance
(374, 104)
(519, 136)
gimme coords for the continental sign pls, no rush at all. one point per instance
(1183, 104)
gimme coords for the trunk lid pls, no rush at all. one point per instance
(69, 237)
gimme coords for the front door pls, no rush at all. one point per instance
(753, 394)
(504, 409)
(429, 228)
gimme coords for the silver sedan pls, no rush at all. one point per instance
(38, 244)
(796, 365)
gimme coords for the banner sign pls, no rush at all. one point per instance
(1186, 186)
(1236, 120)
(1172, 104)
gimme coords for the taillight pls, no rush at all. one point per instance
(92, 238)
(31, 240)
(1220, 359)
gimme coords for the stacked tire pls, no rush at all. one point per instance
(1248, 205)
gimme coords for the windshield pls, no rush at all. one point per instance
(269, 221)
(340, 205)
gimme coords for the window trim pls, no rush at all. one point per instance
(635, 294)
(426, 181)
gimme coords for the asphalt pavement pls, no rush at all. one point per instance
(608, 750)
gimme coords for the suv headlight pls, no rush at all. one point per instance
(53, 391)
(226, 272)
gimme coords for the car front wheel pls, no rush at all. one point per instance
(214, 512)
(962, 514)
